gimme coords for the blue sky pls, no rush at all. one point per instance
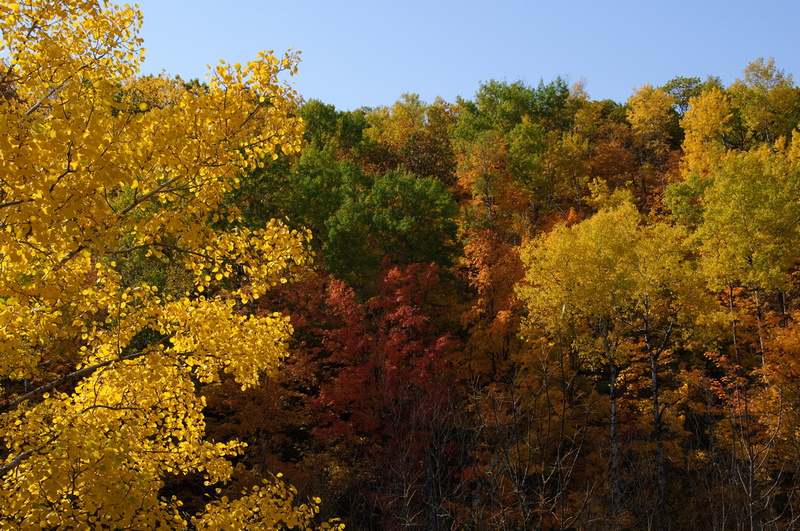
(368, 53)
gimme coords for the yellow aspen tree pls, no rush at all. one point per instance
(392, 125)
(413, 134)
(649, 111)
(704, 125)
(767, 98)
(89, 173)
(566, 160)
(749, 232)
(749, 229)
(613, 284)
(573, 281)
(649, 115)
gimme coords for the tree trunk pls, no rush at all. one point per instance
(655, 353)
(616, 488)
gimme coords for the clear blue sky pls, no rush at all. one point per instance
(368, 52)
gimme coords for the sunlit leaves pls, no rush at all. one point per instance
(266, 506)
(704, 125)
(768, 99)
(749, 229)
(603, 268)
(99, 166)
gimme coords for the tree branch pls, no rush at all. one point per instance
(67, 378)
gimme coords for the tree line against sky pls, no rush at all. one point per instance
(223, 306)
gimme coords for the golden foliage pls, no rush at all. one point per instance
(704, 124)
(97, 164)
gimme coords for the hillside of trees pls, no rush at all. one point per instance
(225, 307)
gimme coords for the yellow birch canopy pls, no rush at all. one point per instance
(96, 164)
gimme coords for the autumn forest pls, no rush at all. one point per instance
(225, 307)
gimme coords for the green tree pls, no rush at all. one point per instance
(526, 147)
(407, 218)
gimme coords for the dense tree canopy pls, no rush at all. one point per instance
(525, 310)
